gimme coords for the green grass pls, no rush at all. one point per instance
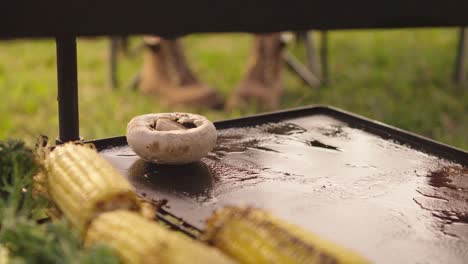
(399, 77)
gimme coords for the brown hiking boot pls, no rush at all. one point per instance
(166, 74)
(262, 83)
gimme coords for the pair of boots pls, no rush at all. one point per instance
(166, 74)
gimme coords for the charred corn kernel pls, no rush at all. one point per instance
(139, 240)
(254, 236)
(83, 184)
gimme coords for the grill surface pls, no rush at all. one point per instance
(323, 169)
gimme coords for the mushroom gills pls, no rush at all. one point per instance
(164, 124)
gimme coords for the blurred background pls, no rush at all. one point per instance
(399, 77)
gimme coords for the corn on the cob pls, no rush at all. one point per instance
(4, 255)
(83, 184)
(138, 240)
(254, 236)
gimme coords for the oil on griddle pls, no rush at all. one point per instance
(387, 201)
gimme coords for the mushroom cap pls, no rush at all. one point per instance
(173, 146)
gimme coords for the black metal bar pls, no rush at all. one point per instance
(67, 89)
(179, 224)
(460, 59)
(324, 56)
(157, 17)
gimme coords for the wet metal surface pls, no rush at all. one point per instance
(383, 199)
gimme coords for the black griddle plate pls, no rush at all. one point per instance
(393, 196)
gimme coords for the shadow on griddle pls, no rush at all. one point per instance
(193, 180)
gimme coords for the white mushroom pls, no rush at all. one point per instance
(171, 138)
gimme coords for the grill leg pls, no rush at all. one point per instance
(300, 69)
(67, 89)
(460, 59)
(311, 53)
(324, 56)
(308, 73)
(113, 53)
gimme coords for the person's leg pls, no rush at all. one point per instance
(262, 82)
(166, 74)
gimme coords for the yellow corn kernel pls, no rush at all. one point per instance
(139, 240)
(83, 184)
(254, 236)
(4, 255)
